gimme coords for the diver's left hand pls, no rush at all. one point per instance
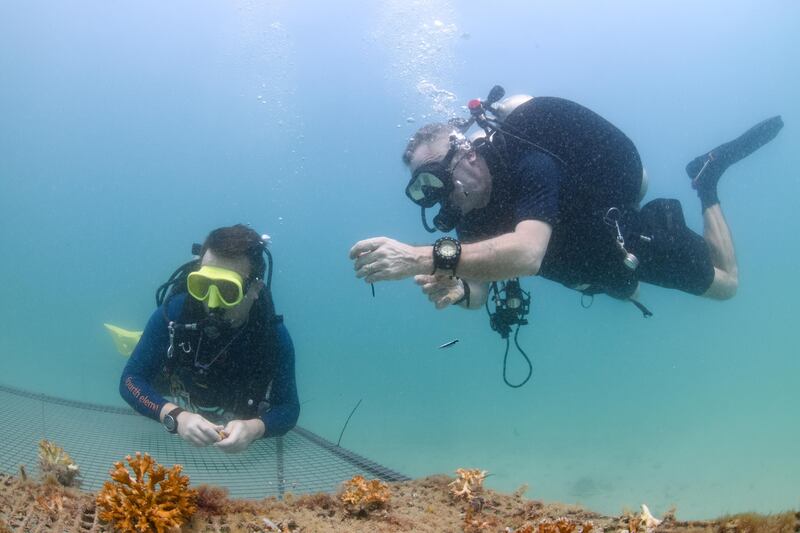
(384, 259)
(240, 433)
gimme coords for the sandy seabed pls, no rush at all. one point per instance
(422, 505)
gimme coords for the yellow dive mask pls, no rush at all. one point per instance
(220, 286)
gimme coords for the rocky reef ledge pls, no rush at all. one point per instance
(436, 504)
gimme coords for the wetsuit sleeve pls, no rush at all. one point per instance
(285, 406)
(144, 365)
(538, 178)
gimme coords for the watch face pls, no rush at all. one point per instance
(448, 249)
(446, 252)
(170, 423)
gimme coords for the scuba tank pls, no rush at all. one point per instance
(603, 182)
(509, 104)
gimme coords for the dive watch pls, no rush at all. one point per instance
(170, 421)
(446, 253)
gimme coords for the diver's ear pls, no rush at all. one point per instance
(254, 291)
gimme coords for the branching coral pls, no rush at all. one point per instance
(360, 496)
(468, 487)
(155, 499)
(55, 462)
(468, 484)
(559, 525)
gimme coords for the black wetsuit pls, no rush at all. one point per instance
(582, 167)
(245, 373)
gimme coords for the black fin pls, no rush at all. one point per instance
(711, 165)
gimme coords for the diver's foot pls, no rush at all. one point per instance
(705, 170)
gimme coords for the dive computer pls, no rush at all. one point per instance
(170, 421)
(446, 253)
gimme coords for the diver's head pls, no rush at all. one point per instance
(446, 169)
(231, 273)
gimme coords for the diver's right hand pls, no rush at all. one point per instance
(197, 430)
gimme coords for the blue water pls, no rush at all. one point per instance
(129, 130)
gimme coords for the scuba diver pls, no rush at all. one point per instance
(550, 188)
(216, 349)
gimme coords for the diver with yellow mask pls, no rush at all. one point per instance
(215, 364)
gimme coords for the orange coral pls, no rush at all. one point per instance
(565, 525)
(469, 482)
(157, 499)
(55, 462)
(561, 525)
(360, 496)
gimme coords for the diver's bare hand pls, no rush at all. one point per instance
(441, 289)
(239, 434)
(384, 259)
(197, 430)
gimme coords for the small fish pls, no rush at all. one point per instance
(448, 344)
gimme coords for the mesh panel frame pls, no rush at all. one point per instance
(96, 436)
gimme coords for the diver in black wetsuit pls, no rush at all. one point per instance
(553, 189)
(215, 364)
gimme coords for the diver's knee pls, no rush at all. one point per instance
(724, 286)
(732, 285)
(730, 291)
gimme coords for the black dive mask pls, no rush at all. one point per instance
(432, 184)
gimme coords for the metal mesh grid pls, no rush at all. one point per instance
(96, 436)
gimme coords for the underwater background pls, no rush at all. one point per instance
(129, 130)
